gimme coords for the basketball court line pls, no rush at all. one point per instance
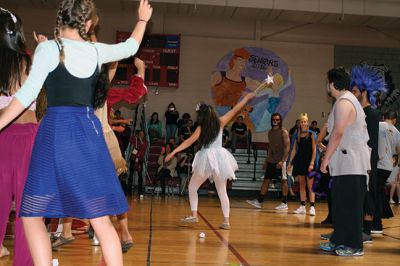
(225, 242)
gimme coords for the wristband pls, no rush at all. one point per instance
(145, 21)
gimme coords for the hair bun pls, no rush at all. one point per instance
(202, 107)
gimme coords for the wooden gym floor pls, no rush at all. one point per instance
(258, 237)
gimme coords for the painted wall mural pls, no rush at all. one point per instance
(242, 71)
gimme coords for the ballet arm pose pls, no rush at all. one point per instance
(40, 67)
(224, 120)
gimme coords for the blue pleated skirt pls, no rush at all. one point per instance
(71, 172)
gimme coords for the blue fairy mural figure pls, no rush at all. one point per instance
(256, 65)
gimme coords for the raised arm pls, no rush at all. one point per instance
(116, 52)
(141, 67)
(186, 144)
(231, 114)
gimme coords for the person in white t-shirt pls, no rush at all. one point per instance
(394, 181)
(388, 146)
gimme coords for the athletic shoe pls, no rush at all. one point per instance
(326, 236)
(348, 251)
(367, 239)
(301, 210)
(190, 219)
(225, 226)
(312, 211)
(95, 241)
(282, 207)
(254, 203)
(391, 201)
(377, 231)
(328, 246)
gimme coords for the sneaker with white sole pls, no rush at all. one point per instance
(348, 251)
(367, 239)
(190, 219)
(282, 207)
(326, 236)
(312, 211)
(95, 241)
(377, 231)
(301, 210)
(391, 201)
(328, 246)
(254, 203)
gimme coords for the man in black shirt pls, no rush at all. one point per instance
(362, 75)
(186, 131)
(239, 132)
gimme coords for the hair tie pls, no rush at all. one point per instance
(13, 17)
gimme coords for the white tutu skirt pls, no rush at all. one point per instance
(215, 163)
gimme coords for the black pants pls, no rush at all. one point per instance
(162, 176)
(380, 200)
(132, 170)
(246, 138)
(348, 192)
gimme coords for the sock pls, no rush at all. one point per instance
(303, 203)
(260, 198)
(312, 204)
(367, 226)
(284, 199)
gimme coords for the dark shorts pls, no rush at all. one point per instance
(271, 172)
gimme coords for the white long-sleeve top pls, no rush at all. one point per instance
(81, 59)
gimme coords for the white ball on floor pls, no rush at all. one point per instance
(202, 235)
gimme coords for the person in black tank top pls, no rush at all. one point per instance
(302, 160)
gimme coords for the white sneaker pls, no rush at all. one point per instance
(282, 207)
(54, 262)
(254, 203)
(391, 201)
(312, 211)
(95, 241)
(301, 210)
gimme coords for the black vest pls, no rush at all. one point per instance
(64, 89)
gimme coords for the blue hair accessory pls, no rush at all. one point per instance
(369, 78)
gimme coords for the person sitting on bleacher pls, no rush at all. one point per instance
(166, 169)
(239, 132)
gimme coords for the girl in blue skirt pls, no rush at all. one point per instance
(71, 172)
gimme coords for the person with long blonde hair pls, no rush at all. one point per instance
(302, 159)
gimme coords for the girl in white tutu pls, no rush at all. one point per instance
(212, 160)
